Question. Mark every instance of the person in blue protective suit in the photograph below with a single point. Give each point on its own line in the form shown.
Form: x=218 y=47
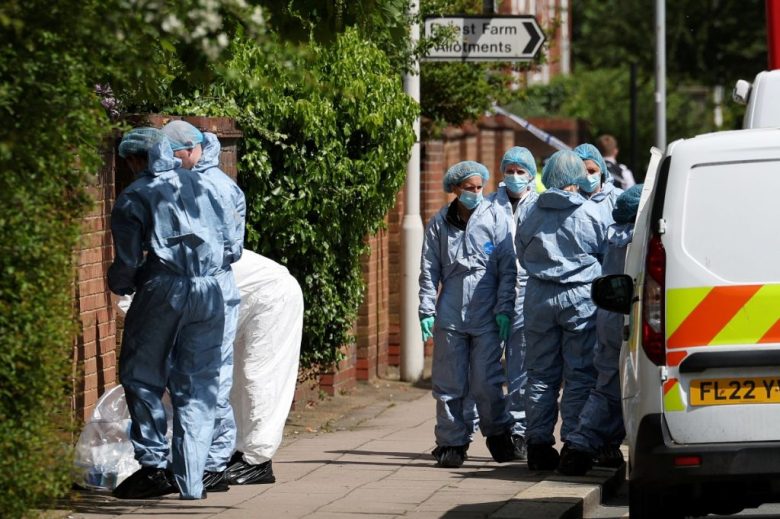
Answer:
x=560 y=245
x=467 y=294
x=169 y=247
x=200 y=153
x=598 y=186
x=516 y=195
x=600 y=431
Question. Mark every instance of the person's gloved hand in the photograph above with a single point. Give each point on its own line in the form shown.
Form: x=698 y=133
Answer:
x=503 y=326
x=426 y=323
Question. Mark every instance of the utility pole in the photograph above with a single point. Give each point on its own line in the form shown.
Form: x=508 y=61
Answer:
x=412 y=353
x=660 y=74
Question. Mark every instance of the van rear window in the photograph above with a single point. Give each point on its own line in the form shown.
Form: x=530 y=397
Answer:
x=731 y=220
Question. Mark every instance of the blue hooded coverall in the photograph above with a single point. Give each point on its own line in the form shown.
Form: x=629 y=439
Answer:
x=515 y=346
x=601 y=419
x=169 y=247
x=560 y=245
x=234 y=206
x=477 y=272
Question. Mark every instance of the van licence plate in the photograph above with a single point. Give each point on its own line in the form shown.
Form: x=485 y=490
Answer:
x=724 y=391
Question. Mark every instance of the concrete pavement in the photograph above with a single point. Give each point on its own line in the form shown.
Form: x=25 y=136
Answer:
x=381 y=468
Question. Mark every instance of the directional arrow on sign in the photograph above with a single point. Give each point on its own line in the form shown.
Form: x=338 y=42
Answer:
x=478 y=38
x=536 y=38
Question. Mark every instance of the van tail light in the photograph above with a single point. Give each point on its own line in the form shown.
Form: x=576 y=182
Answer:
x=653 y=302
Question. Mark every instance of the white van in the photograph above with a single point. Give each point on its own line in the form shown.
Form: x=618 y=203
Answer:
x=700 y=364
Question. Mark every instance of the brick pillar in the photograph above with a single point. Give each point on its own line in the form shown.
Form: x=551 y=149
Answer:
x=383 y=307
x=506 y=139
x=434 y=164
x=94 y=352
x=469 y=144
x=489 y=152
x=395 y=261
x=372 y=325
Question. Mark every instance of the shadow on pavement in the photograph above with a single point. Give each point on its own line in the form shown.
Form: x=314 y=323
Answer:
x=473 y=510
x=93 y=502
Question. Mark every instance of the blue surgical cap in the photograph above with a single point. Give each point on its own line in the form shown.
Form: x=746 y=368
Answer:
x=463 y=170
x=590 y=152
x=183 y=135
x=627 y=205
x=139 y=141
x=519 y=156
x=563 y=168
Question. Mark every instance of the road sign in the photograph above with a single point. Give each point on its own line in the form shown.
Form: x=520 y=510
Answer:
x=478 y=38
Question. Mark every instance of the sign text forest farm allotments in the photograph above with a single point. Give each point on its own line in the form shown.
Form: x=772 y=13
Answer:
x=496 y=38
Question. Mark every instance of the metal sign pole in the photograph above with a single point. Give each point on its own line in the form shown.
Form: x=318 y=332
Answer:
x=412 y=352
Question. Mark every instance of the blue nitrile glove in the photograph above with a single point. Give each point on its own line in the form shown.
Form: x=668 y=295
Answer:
x=503 y=326
x=426 y=323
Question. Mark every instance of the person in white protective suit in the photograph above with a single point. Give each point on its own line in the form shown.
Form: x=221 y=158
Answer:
x=265 y=368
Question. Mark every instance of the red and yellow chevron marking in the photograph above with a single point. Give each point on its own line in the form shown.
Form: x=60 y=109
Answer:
x=673 y=400
x=735 y=314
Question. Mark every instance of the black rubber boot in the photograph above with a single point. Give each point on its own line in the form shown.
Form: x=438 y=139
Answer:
x=609 y=456
x=450 y=456
x=215 y=481
x=521 y=451
x=501 y=447
x=146 y=482
x=239 y=472
x=574 y=462
x=542 y=457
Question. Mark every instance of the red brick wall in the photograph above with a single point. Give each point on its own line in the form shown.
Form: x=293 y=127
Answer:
x=94 y=353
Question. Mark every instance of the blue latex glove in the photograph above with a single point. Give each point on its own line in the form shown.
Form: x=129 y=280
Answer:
x=503 y=327
x=426 y=324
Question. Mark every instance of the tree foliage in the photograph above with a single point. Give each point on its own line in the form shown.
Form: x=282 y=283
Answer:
x=709 y=43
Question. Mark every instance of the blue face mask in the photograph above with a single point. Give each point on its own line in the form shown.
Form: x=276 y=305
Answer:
x=589 y=183
x=516 y=183
x=470 y=200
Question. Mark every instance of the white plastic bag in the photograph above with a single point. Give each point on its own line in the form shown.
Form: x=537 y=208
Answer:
x=104 y=453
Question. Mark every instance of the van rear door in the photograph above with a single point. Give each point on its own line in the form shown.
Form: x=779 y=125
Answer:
x=721 y=234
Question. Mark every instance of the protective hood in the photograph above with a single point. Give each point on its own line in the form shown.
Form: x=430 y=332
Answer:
x=590 y=152
x=211 y=149
x=559 y=199
x=161 y=157
x=620 y=234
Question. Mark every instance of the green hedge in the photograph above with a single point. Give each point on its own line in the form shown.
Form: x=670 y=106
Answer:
x=52 y=123
x=326 y=140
